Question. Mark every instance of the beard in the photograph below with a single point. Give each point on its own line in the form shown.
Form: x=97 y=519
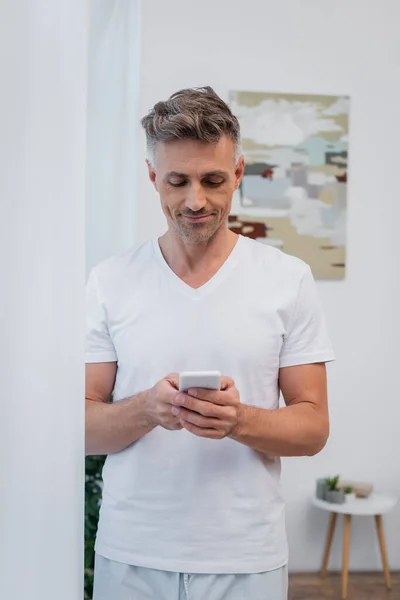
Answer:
x=197 y=233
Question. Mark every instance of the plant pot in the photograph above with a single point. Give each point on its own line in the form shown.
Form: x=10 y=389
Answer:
x=335 y=496
x=321 y=489
x=350 y=497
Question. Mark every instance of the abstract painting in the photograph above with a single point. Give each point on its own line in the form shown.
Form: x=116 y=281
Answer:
x=294 y=191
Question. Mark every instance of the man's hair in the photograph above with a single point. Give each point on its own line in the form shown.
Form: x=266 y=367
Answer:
x=190 y=114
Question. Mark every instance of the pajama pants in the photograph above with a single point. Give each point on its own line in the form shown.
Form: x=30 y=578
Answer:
x=118 y=581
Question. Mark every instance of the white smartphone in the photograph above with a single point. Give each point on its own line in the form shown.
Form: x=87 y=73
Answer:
x=207 y=380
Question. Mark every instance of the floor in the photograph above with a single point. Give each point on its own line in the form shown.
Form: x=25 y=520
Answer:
x=362 y=586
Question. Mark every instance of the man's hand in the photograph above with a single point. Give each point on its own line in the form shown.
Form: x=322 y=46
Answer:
x=160 y=399
x=209 y=413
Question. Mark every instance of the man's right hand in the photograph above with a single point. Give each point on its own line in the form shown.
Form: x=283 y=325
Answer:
x=160 y=399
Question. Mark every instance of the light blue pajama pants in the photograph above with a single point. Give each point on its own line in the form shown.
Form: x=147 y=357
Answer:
x=117 y=581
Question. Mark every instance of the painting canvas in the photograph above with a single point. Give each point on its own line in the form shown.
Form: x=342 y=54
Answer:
x=294 y=191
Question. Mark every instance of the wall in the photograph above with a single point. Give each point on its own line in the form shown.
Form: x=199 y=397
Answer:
x=315 y=46
x=42 y=198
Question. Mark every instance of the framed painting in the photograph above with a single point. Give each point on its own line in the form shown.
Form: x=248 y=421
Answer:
x=294 y=190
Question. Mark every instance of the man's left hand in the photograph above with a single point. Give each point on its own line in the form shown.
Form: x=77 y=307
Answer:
x=209 y=413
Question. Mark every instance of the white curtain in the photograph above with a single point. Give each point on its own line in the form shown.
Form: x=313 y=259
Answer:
x=43 y=49
x=69 y=128
x=113 y=128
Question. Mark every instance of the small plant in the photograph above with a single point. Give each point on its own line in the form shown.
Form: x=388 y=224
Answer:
x=332 y=483
x=334 y=493
x=348 y=490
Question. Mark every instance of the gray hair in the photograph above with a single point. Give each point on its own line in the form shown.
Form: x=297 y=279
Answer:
x=190 y=114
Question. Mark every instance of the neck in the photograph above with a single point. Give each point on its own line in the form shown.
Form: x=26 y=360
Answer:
x=185 y=258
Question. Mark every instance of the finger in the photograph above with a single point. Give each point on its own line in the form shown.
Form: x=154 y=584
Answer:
x=202 y=394
x=207 y=409
x=196 y=419
x=222 y=398
x=200 y=432
x=226 y=382
x=173 y=427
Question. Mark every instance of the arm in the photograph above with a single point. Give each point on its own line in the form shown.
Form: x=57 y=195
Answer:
x=301 y=428
x=111 y=427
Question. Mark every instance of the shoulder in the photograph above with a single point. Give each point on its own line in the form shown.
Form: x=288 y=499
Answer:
x=274 y=262
x=119 y=267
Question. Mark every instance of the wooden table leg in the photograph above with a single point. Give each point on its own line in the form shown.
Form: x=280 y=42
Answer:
x=346 y=554
x=382 y=544
x=328 y=544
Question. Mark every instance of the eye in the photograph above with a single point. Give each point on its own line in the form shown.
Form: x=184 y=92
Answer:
x=179 y=184
x=213 y=183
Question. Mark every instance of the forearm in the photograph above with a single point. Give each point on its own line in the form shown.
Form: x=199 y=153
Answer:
x=296 y=430
x=113 y=427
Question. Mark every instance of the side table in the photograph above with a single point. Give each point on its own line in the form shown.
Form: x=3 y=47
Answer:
x=375 y=505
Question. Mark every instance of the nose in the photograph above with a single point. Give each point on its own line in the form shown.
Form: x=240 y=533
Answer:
x=195 y=198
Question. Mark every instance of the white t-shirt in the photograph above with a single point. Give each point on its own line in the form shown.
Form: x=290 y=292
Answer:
x=174 y=501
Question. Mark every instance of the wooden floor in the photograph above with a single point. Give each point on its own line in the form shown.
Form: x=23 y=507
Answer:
x=362 y=586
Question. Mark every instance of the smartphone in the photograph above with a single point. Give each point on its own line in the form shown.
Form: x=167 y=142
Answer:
x=207 y=380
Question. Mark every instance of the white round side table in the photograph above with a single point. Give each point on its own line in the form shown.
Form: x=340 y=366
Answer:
x=376 y=505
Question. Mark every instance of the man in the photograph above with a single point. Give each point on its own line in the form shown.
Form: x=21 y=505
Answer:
x=192 y=507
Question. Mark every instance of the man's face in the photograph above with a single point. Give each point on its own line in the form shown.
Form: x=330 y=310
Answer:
x=196 y=181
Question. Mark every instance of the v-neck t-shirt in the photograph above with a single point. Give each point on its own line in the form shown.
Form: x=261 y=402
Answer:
x=174 y=501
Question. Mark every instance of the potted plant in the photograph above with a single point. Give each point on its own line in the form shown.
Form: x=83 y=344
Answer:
x=334 y=493
x=349 y=493
x=321 y=488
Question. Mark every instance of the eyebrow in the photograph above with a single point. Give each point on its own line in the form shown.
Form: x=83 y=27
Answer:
x=185 y=176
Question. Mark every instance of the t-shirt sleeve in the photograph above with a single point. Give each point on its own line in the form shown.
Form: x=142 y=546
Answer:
x=98 y=343
x=306 y=340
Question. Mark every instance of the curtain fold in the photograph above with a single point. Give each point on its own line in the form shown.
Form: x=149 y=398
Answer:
x=113 y=128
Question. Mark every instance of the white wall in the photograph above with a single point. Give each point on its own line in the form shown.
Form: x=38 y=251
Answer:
x=316 y=46
x=42 y=197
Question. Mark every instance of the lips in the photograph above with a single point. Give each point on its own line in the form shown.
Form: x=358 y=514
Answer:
x=194 y=218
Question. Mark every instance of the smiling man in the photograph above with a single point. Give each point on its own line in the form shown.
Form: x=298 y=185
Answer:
x=192 y=507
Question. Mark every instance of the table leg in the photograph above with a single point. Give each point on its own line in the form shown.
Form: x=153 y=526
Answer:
x=346 y=554
x=328 y=544
x=382 y=544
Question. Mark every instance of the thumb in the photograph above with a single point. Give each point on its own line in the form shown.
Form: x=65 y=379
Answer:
x=173 y=379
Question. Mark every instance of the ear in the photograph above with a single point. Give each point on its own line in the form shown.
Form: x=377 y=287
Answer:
x=152 y=174
x=239 y=171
